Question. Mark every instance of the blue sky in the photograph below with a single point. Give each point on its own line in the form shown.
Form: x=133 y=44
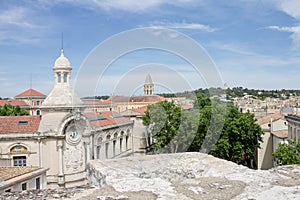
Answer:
x=254 y=44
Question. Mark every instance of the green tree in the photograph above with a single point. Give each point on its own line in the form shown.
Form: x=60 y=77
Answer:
x=240 y=135
x=9 y=110
x=163 y=118
x=212 y=127
x=288 y=154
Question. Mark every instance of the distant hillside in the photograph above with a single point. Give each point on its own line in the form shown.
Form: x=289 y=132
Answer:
x=236 y=92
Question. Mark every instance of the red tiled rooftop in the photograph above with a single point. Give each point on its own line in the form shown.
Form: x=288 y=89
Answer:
x=100 y=102
x=31 y=93
x=109 y=120
x=7 y=173
x=10 y=124
x=13 y=102
x=140 y=110
x=266 y=119
x=150 y=98
x=281 y=134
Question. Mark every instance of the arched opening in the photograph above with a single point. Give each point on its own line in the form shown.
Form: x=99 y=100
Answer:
x=98 y=149
x=121 y=141
x=58 y=77
x=19 y=160
x=107 y=146
x=114 y=143
x=65 y=77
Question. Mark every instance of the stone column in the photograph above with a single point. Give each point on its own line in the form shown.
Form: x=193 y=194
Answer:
x=86 y=144
x=61 y=180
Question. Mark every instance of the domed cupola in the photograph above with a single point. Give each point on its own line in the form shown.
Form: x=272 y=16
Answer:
x=62 y=95
x=62 y=62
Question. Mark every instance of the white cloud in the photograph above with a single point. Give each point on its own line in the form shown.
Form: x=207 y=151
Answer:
x=16 y=16
x=19 y=25
x=183 y=25
x=234 y=48
x=290 y=7
x=125 y=5
x=9 y=37
x=294 y=30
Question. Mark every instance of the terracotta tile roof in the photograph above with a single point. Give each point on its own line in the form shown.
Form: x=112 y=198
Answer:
x=150 y=98
x=104 y=119
x=13 y=102
x=140 y=110
x=281 y=134
x=7 y=173
x=129 y=113
x=19 y=124
x=100 y=102
x=134 y=112
x=30 y=93
x=266 y=119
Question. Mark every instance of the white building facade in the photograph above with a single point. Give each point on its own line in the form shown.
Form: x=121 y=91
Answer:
x=65 y=138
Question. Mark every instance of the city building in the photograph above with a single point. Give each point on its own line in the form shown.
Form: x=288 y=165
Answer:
x=33 y=99
x=67 y=134
x=275 y=132
x=293 y=128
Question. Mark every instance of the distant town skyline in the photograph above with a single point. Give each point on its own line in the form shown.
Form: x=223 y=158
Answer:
x=254 y=44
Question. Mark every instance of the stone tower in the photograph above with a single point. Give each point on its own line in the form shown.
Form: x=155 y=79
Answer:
x=148 y=86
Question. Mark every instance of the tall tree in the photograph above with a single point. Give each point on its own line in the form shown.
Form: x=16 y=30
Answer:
x=240 y=135
x=164 y=121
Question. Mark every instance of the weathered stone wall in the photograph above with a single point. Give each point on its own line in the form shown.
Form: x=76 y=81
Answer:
x=182 y=176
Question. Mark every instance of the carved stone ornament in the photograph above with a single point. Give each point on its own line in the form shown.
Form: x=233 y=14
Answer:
x=73 y=135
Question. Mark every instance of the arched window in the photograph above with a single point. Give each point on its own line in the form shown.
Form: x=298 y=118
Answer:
x=108 y=137
x=106 y=149
x=98 y=149
x=65 y=77
x=115 y=135
x=121 y=141
x=38 y=112
x=18 y=149
x=126 y=141
x=114 y=147
x=107 y=146
x=58 y=77
x=19 y=160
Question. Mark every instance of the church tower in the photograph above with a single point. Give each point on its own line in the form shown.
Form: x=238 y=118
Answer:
x=148 y=86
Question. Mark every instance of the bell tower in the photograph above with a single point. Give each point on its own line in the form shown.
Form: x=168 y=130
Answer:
x=62 y=94
x=148 y=86
x=62 y=71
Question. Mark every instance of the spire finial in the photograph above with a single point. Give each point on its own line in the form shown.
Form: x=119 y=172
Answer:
x=62 y=40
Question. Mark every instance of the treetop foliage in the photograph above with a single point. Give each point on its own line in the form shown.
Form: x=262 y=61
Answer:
x=237 y=92
x=211 y=126
x=288 y=154
x=9 y=110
